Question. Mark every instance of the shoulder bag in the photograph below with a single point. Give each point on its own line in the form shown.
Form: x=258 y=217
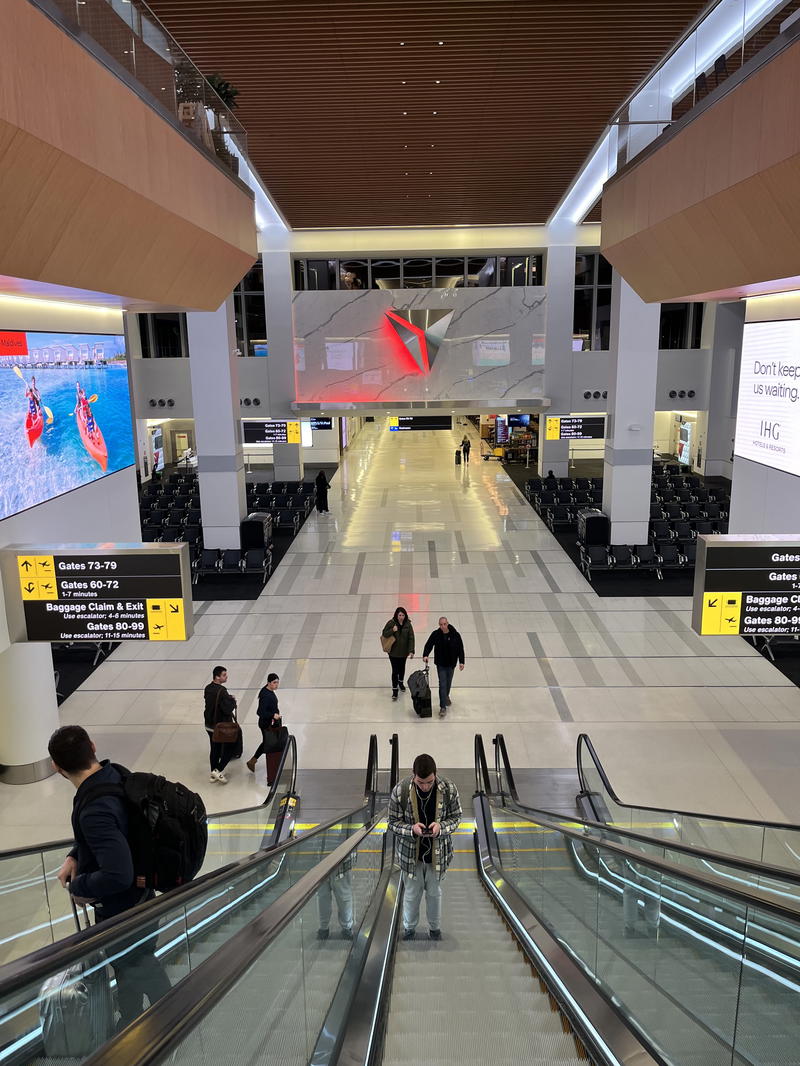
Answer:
x=387 y=643
x=225 y=732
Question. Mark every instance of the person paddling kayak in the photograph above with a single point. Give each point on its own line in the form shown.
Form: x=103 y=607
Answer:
x=85 y=407
x=34 y=420
x=88 y=429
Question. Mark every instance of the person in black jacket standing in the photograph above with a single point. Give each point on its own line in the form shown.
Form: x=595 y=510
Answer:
x=274 y=733
x=99 y=868
x=321 y=482
x=220 y=706
x=448 y=649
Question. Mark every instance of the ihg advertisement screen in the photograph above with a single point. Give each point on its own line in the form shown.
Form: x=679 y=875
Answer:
x=65 y=415
x=768 y=413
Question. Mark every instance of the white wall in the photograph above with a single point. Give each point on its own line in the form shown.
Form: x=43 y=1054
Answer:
x=763 y=500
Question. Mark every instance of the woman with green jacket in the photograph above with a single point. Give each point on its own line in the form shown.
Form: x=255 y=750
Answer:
x=402 y=646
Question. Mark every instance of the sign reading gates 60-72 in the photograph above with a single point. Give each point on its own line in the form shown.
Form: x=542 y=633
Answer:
x=95 y=592
x=747 y=585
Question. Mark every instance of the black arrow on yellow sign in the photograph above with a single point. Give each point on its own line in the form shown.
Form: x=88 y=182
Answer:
x=29 y=587
x=713 y=603
x=26 y=564
x=174 y=608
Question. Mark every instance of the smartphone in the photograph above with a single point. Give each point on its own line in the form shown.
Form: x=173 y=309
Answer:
x=427 y=832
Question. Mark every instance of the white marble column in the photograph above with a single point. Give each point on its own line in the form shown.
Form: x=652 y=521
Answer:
x=28 y=713
x=278 y=292
x=633 y=368
x=215 y=400
x=722 y=333
x=560 y=288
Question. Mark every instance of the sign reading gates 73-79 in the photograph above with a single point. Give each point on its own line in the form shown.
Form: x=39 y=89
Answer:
x=93 y=592
x=747 y=585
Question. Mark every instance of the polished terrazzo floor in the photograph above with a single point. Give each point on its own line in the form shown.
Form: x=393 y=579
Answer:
x=699 y=723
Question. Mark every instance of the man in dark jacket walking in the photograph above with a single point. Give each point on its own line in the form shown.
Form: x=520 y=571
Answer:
x=99 y=869
x=448 y=649
x=274 y=733
x=220 y=706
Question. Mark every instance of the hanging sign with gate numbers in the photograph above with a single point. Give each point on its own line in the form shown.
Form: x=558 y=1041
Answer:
x=747 y=585
x=97 y=592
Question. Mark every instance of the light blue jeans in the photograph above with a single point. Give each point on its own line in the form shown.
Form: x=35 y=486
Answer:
x=424 y=880
x=342 y=888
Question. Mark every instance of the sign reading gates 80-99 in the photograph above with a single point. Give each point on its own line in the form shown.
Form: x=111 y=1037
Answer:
x=748 y=585
x=108 y=592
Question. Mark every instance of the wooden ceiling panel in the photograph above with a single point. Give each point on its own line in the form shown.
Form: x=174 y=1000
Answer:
x=356 y=115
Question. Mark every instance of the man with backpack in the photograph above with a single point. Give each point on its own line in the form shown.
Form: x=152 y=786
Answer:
x=424 y=812
x=128 y=829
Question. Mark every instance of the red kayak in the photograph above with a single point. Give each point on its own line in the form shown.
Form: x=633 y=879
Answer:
x=92 y=442
x=34 y=424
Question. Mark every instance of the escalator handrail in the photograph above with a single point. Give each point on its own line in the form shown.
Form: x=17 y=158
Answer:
x=155 y=1033
x=779 y=873
x=585 y=740
x=394 y=768
x=750 y=897
x=291 y=745
x=59 y=956
x=371 y=782
x=482 y=783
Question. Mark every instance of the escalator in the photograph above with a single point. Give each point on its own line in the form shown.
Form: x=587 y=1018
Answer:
x=156 y=945
x=600 y=951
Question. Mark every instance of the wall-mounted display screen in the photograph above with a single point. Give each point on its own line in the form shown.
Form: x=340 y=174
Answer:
x=413 y=422
x=321 y=423
x=519 y=421
x=575 y=428
x=265 y=431
x=65 y=414
x=685 y=443
x=768 y=412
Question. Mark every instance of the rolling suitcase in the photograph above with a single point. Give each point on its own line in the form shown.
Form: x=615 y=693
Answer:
x=76 y=1008
x=273 y=762
x=420 y=692
x=458 y=457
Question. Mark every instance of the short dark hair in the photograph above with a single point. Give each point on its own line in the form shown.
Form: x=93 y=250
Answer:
x=271 y=678
x=219 y=670
x=424 y=766
x=70 y=748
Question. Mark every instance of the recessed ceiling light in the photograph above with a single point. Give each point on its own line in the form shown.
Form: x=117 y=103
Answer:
x=439 y=83
x=441 y=42
x=402 y=43
x=430 y=172
x=406 y=173
x=402 y=83
x=436 y=112
x=405 y=112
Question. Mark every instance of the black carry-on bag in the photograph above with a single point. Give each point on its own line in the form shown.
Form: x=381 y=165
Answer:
x=420 y=693
x=76 y=1007
x=458 y=457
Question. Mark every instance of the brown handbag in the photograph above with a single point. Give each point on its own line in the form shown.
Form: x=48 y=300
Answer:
x=225 y=732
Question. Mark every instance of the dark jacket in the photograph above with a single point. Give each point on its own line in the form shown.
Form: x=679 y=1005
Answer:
x=267 y=706
x=220 y=705
x=105 y=864
x=403 y=639
x=448 y=648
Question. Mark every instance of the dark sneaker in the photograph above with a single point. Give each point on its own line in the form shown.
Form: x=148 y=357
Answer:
x=323 y=934
x=347 y=934
x=449 y=701
x=401 y=686
x=409 y=934
x=394 y=693
x=251 y=765
x=442 y=712
x=435 y=934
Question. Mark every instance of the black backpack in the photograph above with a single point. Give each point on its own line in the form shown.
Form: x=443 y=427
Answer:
x=167 y=828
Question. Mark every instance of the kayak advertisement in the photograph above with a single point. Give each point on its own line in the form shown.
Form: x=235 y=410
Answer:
x=65 y=415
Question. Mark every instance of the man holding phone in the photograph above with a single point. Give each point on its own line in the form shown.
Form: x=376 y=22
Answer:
x=424 y=812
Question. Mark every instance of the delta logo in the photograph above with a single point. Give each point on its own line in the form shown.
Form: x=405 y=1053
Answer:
x=419 y=333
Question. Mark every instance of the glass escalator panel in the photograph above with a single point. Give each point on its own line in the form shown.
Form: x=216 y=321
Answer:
x=139 y=967
x=705 y=975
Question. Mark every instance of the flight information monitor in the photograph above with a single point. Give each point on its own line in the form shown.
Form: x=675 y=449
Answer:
x=576 y=427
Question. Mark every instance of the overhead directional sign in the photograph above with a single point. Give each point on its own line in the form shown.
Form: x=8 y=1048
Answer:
x=98 y=592
x=747 y=585
x=270 y=432
x=575 y=427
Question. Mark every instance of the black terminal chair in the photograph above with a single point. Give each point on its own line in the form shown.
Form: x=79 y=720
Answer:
x=258 y=561
x=646 y=558
x=684 y=496
x=559 y=517
x=594 y=559
x=193 y=535
x=673 y=512
x=193 y=517
x=157 y=517
x=544 y=501
x=286 y=522
x=566 y=484
x=231 y=561
x=564 y=497
x=692 y=511
x=583 y=498
x=533 y=486
x=597 y=496
x=673 y=470
x=583 y=483
x=682 y=531
x=712 y=511
x=622 y=557
x=669 y=558
x=597 y=482
x=688 y=551
x=722 y=525
x=172 y=533
x=702 y=528
x=176 y=516
x=150 y=534
x=306 y=488
x=701 y=495
x=660 y=532
x=205 y=563
x=656 y=513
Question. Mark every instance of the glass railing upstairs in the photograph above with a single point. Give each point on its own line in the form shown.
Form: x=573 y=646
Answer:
x=131 y=962
x=265 y=995
x=36 y=910
x=774 y=843
x=704 y=971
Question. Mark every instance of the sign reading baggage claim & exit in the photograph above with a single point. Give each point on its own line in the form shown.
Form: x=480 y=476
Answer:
x=747 y=585
x=98 y=592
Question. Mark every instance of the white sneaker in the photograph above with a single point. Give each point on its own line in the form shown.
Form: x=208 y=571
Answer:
x=214 y=776
x=222 y=778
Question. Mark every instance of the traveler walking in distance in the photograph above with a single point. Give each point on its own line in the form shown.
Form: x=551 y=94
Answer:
x=399 y=634
x=321 y=482
x=448 y=649
x=424 y=812
x=99 y=869
x=220 y=706
x=466 y=445
x=274 y=733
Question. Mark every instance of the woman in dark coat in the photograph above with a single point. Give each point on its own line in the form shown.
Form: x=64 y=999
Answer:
x=321 y=482
x=402 y=648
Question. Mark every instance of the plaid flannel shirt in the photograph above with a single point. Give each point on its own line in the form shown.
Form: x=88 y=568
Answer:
x=448 y=815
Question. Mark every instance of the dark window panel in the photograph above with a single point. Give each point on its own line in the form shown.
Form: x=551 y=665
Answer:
x=584 y=269
x=144 y=334
x=697 y=325
x=537 y=270
x=482 y=271
x=602 y=319
x=299 y=274
x=514 y=270
x=354 y=274
x=255 y=321
x=167 y=335
x=450 y=272
x=582 y=317
x=673 y=326
x=417 y=273
x=321 y=274
x=253 y=281
x=385 y=273
x=603 y=271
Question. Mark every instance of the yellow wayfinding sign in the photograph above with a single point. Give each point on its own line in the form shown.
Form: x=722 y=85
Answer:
x=721 y=613
x=552 y=428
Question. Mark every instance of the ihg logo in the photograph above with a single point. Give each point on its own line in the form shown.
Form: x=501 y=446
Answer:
x=772 y=430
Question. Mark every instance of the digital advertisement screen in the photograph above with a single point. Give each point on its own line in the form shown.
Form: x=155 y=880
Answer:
x=519 y=421
x=501 y=430
x=65 y=414
x=321 y=423
x=768 y=412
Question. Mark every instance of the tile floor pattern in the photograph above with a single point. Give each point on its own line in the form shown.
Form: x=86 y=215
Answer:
x=678 y=719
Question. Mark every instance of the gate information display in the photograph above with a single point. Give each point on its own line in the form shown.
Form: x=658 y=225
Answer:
x=747 y=585
x=577 y=428
x=98 y=593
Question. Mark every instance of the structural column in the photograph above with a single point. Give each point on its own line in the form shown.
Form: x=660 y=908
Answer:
x=215 y=400
x=287 y=460
x=633 y=368
x=28 y=713
x=724 y=338
x=560 y=288
x=278 y=295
